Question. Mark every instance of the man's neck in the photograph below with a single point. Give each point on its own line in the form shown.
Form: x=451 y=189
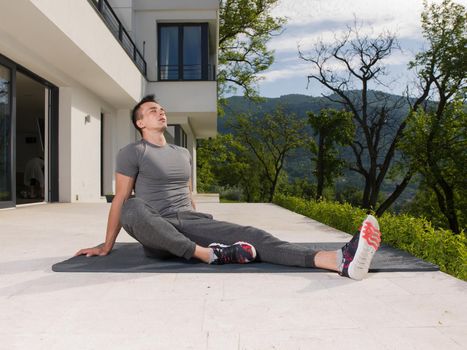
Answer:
x=156 y=138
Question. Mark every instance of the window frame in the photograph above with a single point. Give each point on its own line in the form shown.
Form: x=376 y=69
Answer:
x=204 y=50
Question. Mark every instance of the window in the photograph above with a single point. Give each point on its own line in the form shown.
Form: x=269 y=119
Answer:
x=183 y=51
x=176 y=135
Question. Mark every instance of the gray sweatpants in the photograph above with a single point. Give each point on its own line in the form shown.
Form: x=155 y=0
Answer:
x=179 y=233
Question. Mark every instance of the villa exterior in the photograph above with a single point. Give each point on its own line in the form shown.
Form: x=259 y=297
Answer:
x=70 y=73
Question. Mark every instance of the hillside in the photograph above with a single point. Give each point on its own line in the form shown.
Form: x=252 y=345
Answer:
x=299 y=165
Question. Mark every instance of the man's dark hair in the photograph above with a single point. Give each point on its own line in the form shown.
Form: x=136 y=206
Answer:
x=135 y=114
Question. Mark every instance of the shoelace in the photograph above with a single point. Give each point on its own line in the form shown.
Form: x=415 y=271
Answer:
x=225 y=254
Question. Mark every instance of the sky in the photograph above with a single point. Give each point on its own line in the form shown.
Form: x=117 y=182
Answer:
x=309 y=21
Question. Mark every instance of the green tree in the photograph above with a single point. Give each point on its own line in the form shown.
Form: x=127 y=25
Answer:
x=270 y=139
x=425 y=204
x=435 y=141
x=436 y=146
x=360 y=62
x=219 y=162
x=223 y=162
x=332 y=128
x=245 y=27
x=210 y=155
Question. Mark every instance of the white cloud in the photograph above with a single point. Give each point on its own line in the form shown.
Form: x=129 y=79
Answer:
x=297 y=70
x=310 y=21
x=289 y=67
x=313 y=20
x=303 y=12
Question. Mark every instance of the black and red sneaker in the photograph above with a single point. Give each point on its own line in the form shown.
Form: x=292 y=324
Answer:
x=237 y=253
x=358 y=253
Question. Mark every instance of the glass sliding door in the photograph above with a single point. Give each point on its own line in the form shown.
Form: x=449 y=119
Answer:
x=6 y=116
x=183 y=51
x=192 y=53
x=168 y=53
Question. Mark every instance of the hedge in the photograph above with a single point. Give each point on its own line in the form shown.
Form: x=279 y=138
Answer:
x=414 y=235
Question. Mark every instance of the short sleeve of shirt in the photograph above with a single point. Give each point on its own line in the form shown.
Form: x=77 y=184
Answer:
x=128 y=161
x=189 y=157
x=190 y=160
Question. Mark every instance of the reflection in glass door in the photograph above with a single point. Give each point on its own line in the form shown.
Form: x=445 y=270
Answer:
x=6 y=195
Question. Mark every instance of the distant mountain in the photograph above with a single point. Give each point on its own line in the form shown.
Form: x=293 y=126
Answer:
x=295 y=103
x=299 y=165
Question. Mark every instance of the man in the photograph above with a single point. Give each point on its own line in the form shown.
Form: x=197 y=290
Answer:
x=34 y=178
x=163 y=219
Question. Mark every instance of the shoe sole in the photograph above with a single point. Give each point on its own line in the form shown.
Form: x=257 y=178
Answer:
x=358 y=268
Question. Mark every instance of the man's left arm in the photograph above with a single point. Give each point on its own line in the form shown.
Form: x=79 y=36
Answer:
x=190 y=187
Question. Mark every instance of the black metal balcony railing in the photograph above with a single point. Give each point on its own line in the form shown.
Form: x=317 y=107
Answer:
x=116 y=27
x=190 y=72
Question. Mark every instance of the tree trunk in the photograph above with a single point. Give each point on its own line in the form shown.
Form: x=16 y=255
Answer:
x=366 y=194
x=320 y=168
x=394 y=195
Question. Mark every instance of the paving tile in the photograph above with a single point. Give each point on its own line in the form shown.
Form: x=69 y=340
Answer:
x=273 y=314
x=31 y=316
x=223 y=340
x=118 y=341
x=191 y=285
x=323 y=339
x=430 y=310
x=433 y=283
x=347 y=288
x=426 y=338
x=280 y=286
x=458 y=334
x=40 y=309
x=24 y=341
x=132 y=316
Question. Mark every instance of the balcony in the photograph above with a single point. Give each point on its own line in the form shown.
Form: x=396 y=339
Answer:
x=176 y=72
x=120 y=33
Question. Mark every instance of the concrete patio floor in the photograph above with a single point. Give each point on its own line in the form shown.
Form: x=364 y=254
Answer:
x=40 y=309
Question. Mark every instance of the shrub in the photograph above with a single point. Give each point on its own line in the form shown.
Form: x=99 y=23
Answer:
x=414 y=235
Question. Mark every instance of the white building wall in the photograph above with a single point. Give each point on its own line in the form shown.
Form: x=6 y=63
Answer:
x=110 y=148
x=80 y=145
x=124 y=11
x=64 y=141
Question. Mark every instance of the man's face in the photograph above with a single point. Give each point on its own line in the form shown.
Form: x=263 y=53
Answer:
x=154 y=118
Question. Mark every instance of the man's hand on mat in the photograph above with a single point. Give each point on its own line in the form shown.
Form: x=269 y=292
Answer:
x=96 y=251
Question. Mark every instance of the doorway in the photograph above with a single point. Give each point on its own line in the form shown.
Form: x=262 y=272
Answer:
x=28 y=136
x=31 y=143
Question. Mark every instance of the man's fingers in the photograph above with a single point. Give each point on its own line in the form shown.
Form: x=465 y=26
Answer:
x=80 y=252
x=88 y=252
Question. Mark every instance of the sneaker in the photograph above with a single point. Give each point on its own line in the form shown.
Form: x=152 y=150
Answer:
x=358 y=253
x=237 y=253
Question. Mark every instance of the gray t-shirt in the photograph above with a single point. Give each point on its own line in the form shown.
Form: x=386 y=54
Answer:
x=162 y=174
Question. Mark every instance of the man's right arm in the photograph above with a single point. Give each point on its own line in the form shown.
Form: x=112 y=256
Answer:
x=123 y=188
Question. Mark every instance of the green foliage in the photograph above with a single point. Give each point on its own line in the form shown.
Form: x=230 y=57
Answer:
x=269 y=141
x=343 y=217
x=224 y=166
x=434 y=144
x=444 y=62
x=215 y=157
x=333 y=128
x=425 y=204
x=414 y=235
x=245 y=27
x=347 y=67
x=299 y=188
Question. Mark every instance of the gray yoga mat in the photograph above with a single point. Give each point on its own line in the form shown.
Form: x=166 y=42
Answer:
x=129 y=257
